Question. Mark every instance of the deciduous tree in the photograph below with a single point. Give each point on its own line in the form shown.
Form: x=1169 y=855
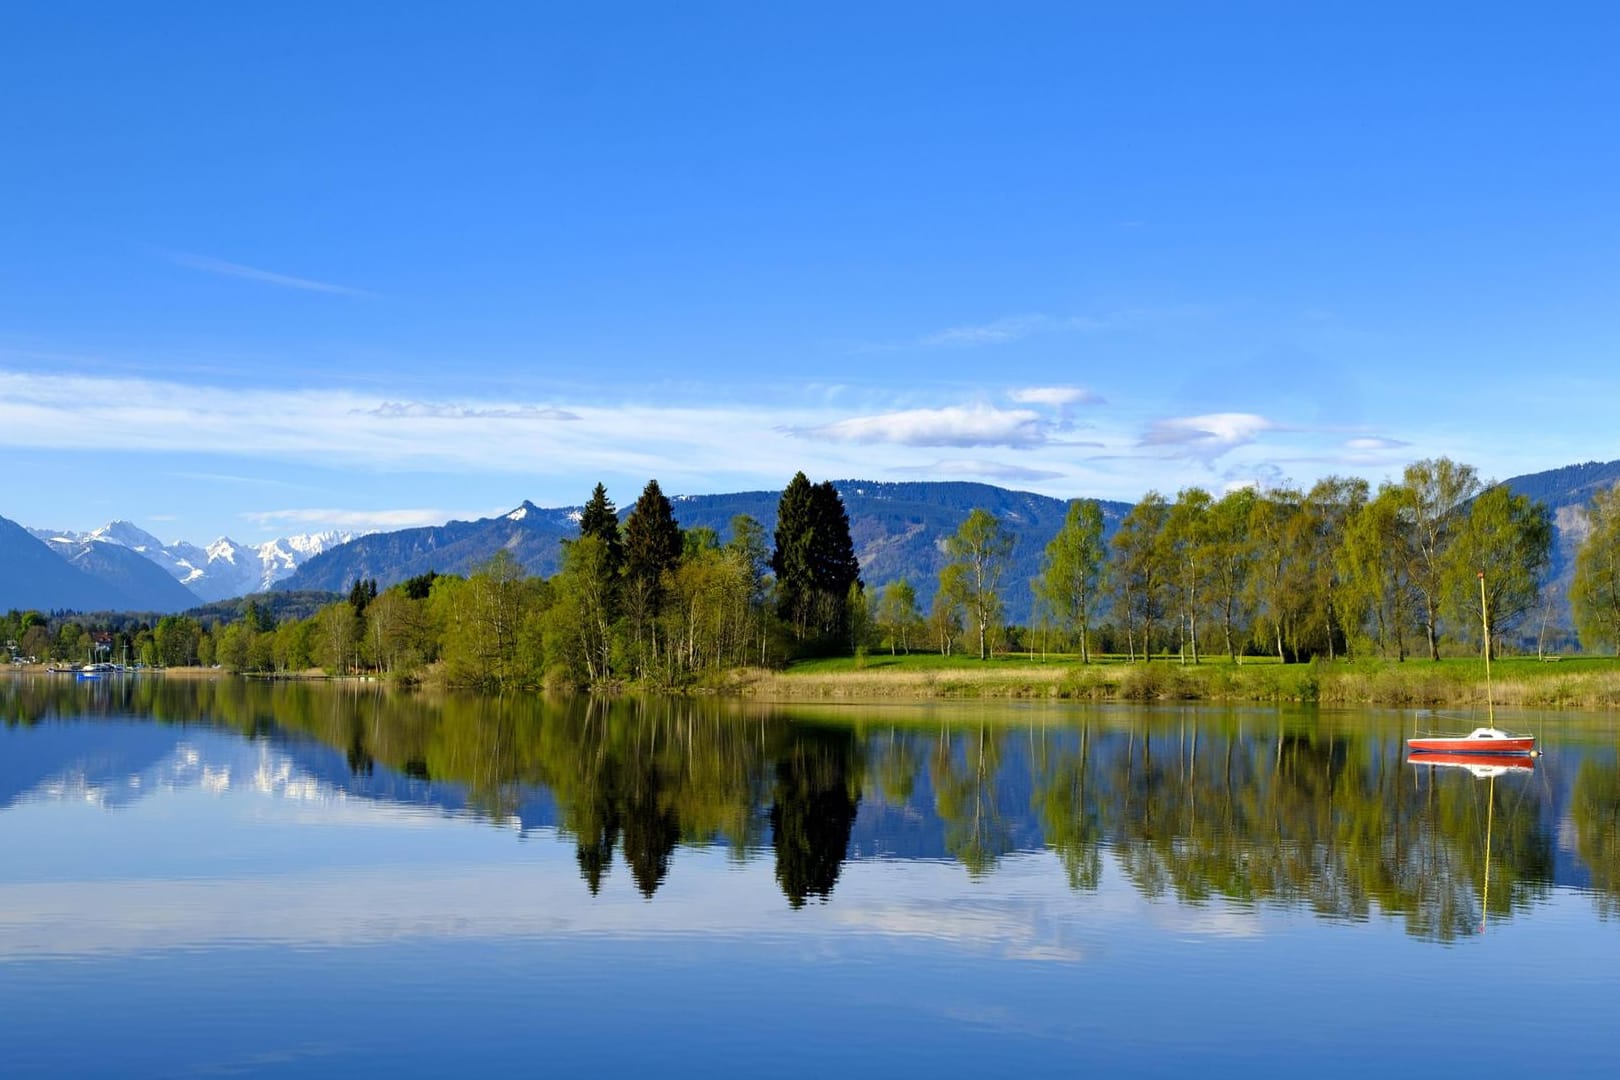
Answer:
x=1071 y=575
x=1435 y=498
x=1508 y=539
x=981 y=546
x=1595 y=592
x=897 y=616
x=1138 y=572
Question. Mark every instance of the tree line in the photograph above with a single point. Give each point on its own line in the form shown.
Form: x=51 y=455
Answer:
x=637 y=599
x=1337 y=570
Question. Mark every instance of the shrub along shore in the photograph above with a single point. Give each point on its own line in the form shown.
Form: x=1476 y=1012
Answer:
x=1573 y=683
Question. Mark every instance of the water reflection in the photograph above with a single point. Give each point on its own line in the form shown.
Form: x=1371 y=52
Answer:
x=1318 y=814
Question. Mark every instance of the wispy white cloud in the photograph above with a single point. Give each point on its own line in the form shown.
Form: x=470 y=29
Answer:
x=1013 y=328
x=997 y=332
x=981 y=470
x=240 y=438
x=1208 y=436
x=362 y=520
x=978 y=425
x=211 y=265
x=347 y=428
x=1057 y=396
x=1373 y=444
x=417 y=410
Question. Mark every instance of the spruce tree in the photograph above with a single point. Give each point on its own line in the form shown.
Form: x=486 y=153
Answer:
x=832 y=549
x=600 y=518
x=791 y=561
x=814 y=561
x=652 y=547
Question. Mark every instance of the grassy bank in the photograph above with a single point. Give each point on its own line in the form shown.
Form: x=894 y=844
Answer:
x=1585 y=683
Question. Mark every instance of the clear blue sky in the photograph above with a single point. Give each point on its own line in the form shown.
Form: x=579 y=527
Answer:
x=279 y=268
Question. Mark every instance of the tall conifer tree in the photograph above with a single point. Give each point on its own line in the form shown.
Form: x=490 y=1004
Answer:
x=600 y=518
x=814 y=562
x=652 y=548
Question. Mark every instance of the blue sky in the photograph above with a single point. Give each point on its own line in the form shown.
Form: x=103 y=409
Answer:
x=273 y=270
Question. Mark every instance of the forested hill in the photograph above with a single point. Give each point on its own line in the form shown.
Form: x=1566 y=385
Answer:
x=1573 y=485
x=899 y=530
x=529 y=533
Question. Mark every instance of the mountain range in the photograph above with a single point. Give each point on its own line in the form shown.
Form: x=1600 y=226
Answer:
x=898 y=529
x=121 y=567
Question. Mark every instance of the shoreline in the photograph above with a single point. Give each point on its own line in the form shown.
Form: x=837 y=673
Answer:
x=1591 y=683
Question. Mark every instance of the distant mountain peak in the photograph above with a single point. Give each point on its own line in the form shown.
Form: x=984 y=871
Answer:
x=125 y=534
x=225 y=568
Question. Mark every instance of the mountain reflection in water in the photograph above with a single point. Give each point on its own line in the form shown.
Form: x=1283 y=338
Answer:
x=1318 y=813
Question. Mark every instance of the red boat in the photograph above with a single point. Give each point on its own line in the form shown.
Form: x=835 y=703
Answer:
x=1483 y=740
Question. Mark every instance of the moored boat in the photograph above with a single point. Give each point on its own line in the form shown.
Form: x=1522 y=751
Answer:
x=1482 y=740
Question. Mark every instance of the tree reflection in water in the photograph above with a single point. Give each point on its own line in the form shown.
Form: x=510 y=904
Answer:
x=1244 y=807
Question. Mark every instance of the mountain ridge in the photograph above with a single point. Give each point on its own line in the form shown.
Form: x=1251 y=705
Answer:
x=220 y=570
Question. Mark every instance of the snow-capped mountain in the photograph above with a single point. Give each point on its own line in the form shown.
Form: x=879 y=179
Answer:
x=223 y=569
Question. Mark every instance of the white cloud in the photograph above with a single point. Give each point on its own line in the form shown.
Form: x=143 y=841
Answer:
x=983 y=470
x=1207 y=436
x=1057 y=396
x=700 y=445
x=275 y=451
x=1367 y=444
x=252 y=273
x=362 y=520
x=978 y=425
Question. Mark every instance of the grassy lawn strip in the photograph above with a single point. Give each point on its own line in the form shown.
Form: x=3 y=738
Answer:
x=1581 y=682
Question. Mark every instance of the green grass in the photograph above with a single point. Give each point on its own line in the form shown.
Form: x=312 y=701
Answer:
x=1583 y=682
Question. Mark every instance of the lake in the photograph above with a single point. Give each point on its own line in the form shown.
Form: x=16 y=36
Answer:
x=222 y=877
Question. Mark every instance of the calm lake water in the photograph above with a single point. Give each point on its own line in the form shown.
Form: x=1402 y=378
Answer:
x=230 y=878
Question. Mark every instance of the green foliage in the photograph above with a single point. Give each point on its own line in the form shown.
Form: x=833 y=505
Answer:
x=1072 y=572
x=177 y=638
x=420 y=586
x=1434 y=500
x=361 y=594
x=1595 y=592
x=1328 y=573
x=652 y=551
x=896 y=616
x=980 y=549
x=1138 y=572
x=1506 y=541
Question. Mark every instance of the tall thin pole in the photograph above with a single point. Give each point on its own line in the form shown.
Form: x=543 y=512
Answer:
x=1485 y=620
x=1490 y=816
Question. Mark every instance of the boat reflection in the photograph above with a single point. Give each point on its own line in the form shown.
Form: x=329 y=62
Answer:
x=1482 y=766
